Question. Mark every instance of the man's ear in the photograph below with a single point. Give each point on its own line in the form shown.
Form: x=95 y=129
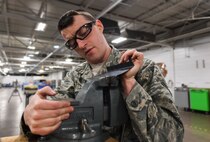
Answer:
x=100 y=25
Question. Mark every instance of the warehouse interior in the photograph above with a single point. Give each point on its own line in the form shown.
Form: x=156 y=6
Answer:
x=175 y=34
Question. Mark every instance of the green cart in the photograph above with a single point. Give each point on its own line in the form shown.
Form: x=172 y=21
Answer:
x=199 y=99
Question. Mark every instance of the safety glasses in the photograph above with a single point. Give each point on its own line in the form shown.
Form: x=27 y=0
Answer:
x=81 y=34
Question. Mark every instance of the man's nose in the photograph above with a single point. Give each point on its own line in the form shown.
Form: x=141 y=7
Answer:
x=81 y=43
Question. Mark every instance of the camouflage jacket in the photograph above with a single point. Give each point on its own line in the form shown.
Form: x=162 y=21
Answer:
x=153 y=115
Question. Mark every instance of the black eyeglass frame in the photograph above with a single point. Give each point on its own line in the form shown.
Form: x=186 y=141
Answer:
x=74 y=45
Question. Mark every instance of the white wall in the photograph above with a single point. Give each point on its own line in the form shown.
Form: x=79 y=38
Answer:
x=55 y=76
x=40 y=77
x=21 y=79
x=185 y=62
x=189 y=63
x=28 y=79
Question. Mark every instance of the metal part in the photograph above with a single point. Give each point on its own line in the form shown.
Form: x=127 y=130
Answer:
x=95 y=109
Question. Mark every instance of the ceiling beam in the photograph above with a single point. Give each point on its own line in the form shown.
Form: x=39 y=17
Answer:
x=151 y=12
x=22 y=50
x=88 y=4
x=19 y=41
x=186 y=18
x=31 y=18
x=2 y=5
x=108 y=8
x=40 y=38
x=3 y=53
x=109 y=15
x=6 y=21
x=26 y=7
x=178 y=37
x=43 y=60
x=41 y=9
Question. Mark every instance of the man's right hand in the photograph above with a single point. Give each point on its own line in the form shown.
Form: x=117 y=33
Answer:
x=45 y=116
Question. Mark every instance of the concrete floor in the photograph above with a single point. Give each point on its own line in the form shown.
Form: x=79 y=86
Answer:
x=10 y=112
x=197 y=124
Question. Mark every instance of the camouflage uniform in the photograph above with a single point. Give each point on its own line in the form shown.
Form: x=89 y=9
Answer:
x=153 y=115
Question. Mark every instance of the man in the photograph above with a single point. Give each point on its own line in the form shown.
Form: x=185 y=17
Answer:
x=152 y=112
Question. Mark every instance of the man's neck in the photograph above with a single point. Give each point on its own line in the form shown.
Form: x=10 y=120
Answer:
x=107 y=53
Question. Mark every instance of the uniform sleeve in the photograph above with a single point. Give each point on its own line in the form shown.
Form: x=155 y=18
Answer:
x=67 y=86
x=74 y=81
x=153 y=115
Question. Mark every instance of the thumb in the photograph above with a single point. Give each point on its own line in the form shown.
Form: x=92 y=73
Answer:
x=46 y=91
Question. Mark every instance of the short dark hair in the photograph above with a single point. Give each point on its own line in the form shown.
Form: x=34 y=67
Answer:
x=68 y=18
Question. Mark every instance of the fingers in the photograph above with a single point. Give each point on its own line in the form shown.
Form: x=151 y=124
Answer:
x=137 y=59
x=48 y=122
x=126 y=55
x=133 y=54
x=46 y=91
x=137 y=55
x=43 y=114
x=50 y=105
x=44 y=121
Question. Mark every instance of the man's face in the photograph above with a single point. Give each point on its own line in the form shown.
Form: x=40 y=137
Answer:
x=94 y=46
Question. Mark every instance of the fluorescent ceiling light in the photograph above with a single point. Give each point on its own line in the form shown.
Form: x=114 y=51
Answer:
x=26 y=58
x=58 y=67
x=31 y=55
x=68 y=60
x=6 y=70
x=42 y=14
x=22 y=70
x=2 y=72
x=37 y=52
x=30 y=42
x=56 y=46
x=46 y=69
x=67 y=63
x=40 y=26
x=41 y=71
x=31 y=47
x=1 y=64
x=118 y=40
x=22 y=66
x=24 y=63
